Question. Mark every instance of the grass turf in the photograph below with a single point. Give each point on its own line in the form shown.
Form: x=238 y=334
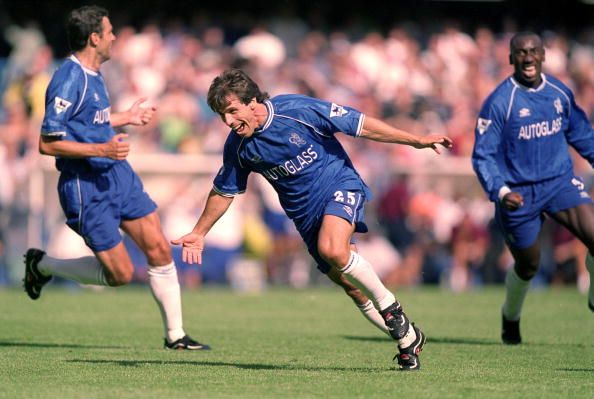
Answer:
x=289 y=343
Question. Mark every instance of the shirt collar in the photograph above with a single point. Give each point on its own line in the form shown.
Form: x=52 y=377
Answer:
x=269 y=117
x=539 y=88
x=87 y=70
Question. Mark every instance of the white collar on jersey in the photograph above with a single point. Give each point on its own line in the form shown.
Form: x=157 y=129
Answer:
x=269 y=117
x=87 y=70
x=521 y=86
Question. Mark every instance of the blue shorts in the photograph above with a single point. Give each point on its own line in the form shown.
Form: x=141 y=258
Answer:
x=522 y=226
x=95 y=203
x=346 y=204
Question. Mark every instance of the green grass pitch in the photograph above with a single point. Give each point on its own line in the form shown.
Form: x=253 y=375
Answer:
x=289 y=344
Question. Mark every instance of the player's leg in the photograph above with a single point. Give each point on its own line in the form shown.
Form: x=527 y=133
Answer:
x=363 y=303
x=580 y=221
x=89 y=213
x=109 y=268
x=517 y=283
x=334 y=248
x=521 y=229
x=146 y=232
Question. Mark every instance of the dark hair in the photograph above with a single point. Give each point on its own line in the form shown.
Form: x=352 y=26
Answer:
x=81 y=23
x=233 y=81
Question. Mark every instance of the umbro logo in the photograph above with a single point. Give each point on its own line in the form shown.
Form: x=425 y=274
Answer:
x=256 y=159
x=524 y=112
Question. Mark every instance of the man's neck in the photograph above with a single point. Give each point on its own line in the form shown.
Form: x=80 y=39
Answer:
x=261 y=113
x=89 y=59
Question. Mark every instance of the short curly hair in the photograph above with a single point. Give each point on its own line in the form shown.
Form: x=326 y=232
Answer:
x=233 y=81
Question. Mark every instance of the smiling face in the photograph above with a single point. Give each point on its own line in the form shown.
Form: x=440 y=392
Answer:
x=240 y=117
x=527 y=55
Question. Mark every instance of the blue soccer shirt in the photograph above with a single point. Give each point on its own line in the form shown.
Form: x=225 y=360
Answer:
x=77 y=108
x=522 y=135
x=297 y=152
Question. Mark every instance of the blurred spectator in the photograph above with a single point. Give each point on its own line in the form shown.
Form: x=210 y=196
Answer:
x=468 y=245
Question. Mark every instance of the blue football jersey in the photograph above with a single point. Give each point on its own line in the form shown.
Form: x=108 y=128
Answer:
x=523 y=134
x=77 y=108
x=297 y=152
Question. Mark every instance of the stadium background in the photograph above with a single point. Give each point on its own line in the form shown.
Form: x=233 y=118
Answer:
x=423 y=65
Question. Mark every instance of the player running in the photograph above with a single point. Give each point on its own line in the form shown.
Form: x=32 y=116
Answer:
x=521 y=157
x=99 y=192
x=289 y=139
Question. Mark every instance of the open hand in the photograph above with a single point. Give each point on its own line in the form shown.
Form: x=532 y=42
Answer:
x=192 y=247
x=140 y=116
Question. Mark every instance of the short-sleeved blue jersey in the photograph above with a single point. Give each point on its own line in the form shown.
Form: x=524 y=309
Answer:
x=77 y=108
x=296 y=151
x=522 y=135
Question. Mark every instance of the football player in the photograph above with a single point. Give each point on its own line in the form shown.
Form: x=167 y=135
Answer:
x=99 y=192
x=521 y=157
x=290 y=140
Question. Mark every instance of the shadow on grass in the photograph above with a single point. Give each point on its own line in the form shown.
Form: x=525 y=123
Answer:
x=247 y=366
x=578 y=370
x=461 y=341
x=437 y=340
x=53 y=345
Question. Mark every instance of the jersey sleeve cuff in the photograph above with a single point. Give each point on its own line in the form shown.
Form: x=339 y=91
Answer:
x=53 y=134
x=224 y=194
x=503 y=191
x=360 y=125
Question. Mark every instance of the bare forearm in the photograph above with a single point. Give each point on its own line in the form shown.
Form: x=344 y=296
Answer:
x=376 y=130
x=120 y=118
x=215 y=207
x=71 y=149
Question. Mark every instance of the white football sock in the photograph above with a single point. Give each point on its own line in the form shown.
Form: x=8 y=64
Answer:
x=360 y=273
x=515 y=293
x=590 y=267
x=374 y=317
x=166 y=291
x=409 y=338
x=85 y=270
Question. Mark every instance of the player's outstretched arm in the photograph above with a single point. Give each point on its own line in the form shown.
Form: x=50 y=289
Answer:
x=135 y=115
x=116 y=148
x=377 y=130
x=193 y=242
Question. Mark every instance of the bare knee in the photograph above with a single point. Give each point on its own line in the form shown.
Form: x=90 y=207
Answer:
x=119 y=277
x=336 y=255
x=158 y=253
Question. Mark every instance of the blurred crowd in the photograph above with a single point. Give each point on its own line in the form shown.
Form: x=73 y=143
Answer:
x=430 y=221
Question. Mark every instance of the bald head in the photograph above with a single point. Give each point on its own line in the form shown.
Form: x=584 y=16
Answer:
x=520 y=37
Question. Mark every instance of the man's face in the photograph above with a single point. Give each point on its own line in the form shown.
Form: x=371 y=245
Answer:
x=240 y=117
x=105 y=39
x=527 y=55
